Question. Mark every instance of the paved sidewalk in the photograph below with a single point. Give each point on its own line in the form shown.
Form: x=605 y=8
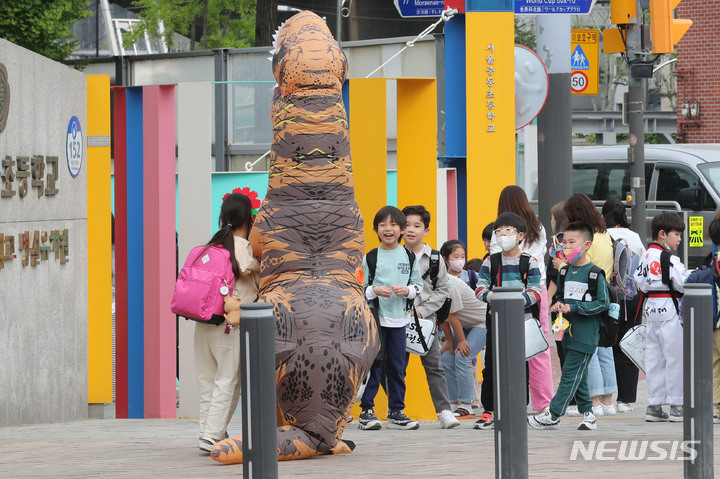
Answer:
x=128 y=448
x=167 y=448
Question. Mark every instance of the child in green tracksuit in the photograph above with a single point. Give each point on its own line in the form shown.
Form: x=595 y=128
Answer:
x=580 y=340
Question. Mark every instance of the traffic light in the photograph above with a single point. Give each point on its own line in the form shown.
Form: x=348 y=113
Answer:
x=621 y=11
x=665 y=30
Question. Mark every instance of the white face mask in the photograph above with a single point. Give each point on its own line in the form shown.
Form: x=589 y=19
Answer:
x=507 y=243
x=457 y=264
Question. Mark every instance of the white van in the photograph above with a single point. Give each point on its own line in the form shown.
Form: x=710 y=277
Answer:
x=688 y=174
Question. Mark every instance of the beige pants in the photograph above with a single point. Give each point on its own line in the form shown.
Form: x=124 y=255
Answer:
x=716 y=366
x=217 y=362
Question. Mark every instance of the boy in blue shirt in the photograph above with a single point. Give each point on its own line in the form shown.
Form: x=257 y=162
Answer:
x=580 y=340
x=396 y=280
x=514 y=268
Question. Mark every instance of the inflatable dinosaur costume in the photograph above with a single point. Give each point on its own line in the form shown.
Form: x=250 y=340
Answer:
x=309 y=234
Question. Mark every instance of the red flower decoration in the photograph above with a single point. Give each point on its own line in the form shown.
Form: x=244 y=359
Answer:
x=254 y=200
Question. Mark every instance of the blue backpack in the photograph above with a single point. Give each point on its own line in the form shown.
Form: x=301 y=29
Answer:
x=710 y=276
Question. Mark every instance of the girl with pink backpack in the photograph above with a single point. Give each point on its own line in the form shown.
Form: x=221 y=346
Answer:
x=217 y=347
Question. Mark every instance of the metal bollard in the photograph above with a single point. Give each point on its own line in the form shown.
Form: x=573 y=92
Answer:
x=508 y=317
x=697 y=380
x=257 y=369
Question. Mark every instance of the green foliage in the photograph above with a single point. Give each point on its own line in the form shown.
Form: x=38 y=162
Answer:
x=225 y=23
x=525 y=34
x=41 y=26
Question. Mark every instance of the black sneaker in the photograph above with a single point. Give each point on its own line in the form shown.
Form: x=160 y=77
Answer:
x=368 y=421
x=486 y=421
x=398 y=420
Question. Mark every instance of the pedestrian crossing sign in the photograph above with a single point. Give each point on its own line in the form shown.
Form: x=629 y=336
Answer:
x=584 y=56
x=578 y=59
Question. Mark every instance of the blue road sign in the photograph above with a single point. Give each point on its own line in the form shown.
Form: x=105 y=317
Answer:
x=549 y=7
x=420 y=8
x=578 y=60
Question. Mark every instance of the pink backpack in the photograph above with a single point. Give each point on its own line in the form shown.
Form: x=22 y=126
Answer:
x=205 y=279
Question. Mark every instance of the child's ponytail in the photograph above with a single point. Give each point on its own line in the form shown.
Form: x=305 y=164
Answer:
x=234 y=213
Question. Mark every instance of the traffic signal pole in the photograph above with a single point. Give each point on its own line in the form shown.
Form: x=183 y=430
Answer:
x=631 y=39
x=637 y=82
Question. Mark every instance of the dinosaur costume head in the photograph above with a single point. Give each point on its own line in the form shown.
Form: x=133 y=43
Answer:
x=309 y=236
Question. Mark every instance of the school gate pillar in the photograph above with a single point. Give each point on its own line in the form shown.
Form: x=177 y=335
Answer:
x=146 y=261
x=194 y=214
x=490 y=70
x=417 y=181
x=99 y=244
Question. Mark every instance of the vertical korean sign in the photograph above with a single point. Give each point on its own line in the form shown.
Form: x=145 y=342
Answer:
x=490 y=80
x=584 y=57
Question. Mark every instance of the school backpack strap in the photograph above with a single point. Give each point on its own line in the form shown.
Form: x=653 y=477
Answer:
x=665 y=266
x=473 y=277
x=371 y=260
x=609 y=326
x=524 y=267
x=560 y=291
x=433 y=269
x=410 y=304
x=495 y=270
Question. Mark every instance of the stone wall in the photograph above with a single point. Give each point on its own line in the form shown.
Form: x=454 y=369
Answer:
x=43 y=271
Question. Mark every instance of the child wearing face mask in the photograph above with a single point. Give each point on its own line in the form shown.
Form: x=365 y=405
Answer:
x=580 y=340
x=509 y=231
x=464 y=332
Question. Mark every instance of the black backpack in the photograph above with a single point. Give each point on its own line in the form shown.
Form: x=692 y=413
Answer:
x=433 y=271
x=608 y=325
x=496 y=277
x=665 y=270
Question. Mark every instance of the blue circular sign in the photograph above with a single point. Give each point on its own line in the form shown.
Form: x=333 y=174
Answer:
x=74 y=146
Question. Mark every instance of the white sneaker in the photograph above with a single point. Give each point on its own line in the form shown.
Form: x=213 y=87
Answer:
x=447 y=419
x=572 y=411
x=610 y=410
x=588 y=422
x=206 y=444
x=623 y=407
x=598 y=411
x=543 y=420
x=716 y=414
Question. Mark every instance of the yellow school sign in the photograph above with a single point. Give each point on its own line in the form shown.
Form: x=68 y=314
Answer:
x=584 y=54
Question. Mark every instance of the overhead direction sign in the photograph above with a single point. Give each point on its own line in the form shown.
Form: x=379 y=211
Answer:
x=420 y=8
x=584 y=59
x=553 y=7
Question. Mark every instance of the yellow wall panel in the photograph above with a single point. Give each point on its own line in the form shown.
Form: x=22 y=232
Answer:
x=99 y=242
x=417 y=146
x=368 y=143
x=490 y=75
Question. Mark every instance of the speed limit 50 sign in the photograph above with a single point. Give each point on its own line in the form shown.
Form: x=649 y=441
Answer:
x=578 y=82
x=584 y=56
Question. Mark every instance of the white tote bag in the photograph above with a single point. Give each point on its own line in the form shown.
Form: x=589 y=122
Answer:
x=633 y=345
x=414 y=343
x=535 y=340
